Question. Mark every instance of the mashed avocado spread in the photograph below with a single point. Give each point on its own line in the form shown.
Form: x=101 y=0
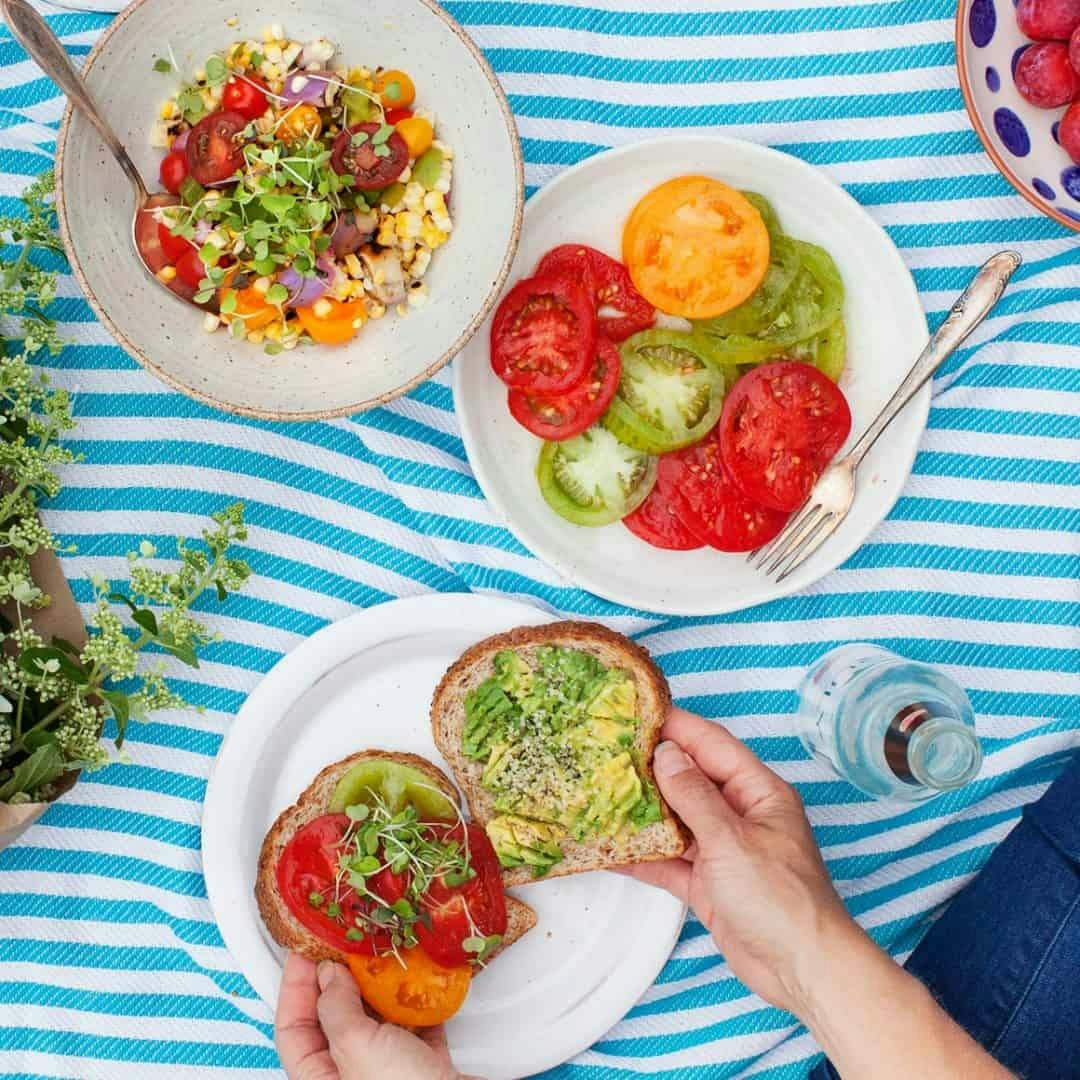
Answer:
x=556 y=738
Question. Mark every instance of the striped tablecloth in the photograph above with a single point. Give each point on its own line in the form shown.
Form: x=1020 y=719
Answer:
x=110 y=964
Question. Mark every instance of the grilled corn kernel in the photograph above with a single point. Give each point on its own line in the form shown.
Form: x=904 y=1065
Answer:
x=290 y=55
x=402 y=310
x=167 y=274
x=255 y=337
x=387 y=234
x=261 y=285
x=421 y=261
x=273 y=332
x=414 y=196
x=447 y=151
x=408 y=224
x=232 y=20
x=217 y=93
x=211 y=197
x=375 y=309
x=200 y=74
x=210 y=322
x=358 y=322
x=274 y=32
x=169 y=109
x=322 y=308
x=432 y=236
x=159 y=136
x=354 y=265
x=417 y=295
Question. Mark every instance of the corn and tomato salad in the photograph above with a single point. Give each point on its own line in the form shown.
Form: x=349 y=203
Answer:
x=308 y=196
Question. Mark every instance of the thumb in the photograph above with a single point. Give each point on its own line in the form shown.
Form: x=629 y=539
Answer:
x=689 y=792
x=344 y=1020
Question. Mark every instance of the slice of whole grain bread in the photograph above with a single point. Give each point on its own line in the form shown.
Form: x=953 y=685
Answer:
x=663 y=839
x=284 y=928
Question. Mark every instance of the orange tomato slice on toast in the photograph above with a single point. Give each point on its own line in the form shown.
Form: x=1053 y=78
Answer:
x=421 y=993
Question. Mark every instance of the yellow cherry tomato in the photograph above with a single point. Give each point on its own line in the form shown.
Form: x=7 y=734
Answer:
x=252 y=308
x=331 y=322
x=303 y=121
x=417 y=133
x=395 y=88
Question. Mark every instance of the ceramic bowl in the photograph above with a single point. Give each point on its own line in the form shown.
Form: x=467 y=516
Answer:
x=389 y=356
x=1020 y=139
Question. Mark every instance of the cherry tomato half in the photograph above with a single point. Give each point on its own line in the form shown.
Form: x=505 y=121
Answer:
x=414 y=992
x=611 y=285
x=395 y=88
x=543 y=336
x=781 y=425
x=175 y=247
x=336 y=326
x=190 y=268
x=174 y=169
x=709 y=504
x=456 y=909
x=563 y=416
x=213 y=149
x=395 y=116
x=246 y=96
x=372 y=170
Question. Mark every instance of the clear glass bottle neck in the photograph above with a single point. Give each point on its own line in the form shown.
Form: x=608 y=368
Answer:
x=943 y=754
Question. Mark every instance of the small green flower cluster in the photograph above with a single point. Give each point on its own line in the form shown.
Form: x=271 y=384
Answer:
x=55 y=696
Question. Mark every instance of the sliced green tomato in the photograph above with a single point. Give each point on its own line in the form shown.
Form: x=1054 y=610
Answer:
x=428 y=168
x=358 y=107
x=812 y=303
x=765 y=209
x=399 y=785
x=594 y=479
x=755 y=315
x=669 y=395
x=827 y=351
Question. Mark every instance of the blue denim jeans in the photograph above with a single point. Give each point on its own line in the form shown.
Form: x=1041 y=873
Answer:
x=1004 y=959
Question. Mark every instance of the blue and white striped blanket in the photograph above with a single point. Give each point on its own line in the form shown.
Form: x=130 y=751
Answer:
x=110 y=964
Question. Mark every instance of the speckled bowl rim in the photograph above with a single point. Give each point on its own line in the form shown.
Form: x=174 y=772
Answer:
x=962 y=10
x=316 y=414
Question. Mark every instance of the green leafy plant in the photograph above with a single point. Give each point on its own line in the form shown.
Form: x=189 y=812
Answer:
x=56 y=696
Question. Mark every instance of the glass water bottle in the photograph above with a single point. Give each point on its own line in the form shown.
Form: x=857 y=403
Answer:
x=892 y=727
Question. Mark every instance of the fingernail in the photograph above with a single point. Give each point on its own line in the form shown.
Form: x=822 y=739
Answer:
x=669 y=759
x=326 y=973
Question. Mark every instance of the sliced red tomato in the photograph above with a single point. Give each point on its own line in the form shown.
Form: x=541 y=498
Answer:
x=780 y=427
x=456 y=909
x=306 y=879
x=543 y=336
x=173 y=171
x=709 y=504
x=411 y=989
x=609 y=282
x=356 y=153
x=247 y=96
x=657 y=522
x=175 y=247
x=565 y=415
x=213 y=148
x=190 y=269
x=395 y=116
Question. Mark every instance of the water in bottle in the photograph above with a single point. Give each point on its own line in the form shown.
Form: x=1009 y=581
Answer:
x=892 y=727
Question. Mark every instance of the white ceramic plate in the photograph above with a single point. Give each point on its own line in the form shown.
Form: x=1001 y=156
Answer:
x=366 y=682
x=165 y=335
x=886 y=330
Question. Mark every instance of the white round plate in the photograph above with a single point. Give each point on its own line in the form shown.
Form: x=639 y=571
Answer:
x=366 y=682
x=886 y=331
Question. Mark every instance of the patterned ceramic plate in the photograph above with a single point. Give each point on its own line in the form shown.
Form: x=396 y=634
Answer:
x=1020 y=139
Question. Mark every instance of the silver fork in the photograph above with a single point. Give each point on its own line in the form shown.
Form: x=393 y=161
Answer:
x=830 y=498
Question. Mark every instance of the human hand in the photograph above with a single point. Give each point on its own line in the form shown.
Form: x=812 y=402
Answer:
x=323 y=1032
x=753 y=875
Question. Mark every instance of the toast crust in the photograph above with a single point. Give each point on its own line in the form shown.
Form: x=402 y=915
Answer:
x=664 y=839
x=284 y=928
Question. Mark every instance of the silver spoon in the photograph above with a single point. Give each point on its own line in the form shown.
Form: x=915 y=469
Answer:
x=33 y=33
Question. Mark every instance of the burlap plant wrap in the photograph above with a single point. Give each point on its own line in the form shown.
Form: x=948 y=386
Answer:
x=62 y=617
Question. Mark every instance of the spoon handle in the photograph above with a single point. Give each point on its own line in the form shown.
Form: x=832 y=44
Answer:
x=973 y=305
x=33 y=33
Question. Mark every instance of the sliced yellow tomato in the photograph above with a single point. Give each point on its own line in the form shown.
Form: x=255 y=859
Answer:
x=417 y=133
x=332 y=322
x=695 y=247
x=252 y=307
x=300 y=122
x=395 y=88
x=419 y=994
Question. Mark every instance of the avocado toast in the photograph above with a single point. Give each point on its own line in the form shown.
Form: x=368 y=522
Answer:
x=550 y=731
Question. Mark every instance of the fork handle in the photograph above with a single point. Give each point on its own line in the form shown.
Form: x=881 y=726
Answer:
x=974 y=304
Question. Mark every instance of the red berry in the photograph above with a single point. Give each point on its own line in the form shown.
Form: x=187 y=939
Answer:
x=1048 y=20
x=1074 y=50
x=1044 y=76
x=1069 y=132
